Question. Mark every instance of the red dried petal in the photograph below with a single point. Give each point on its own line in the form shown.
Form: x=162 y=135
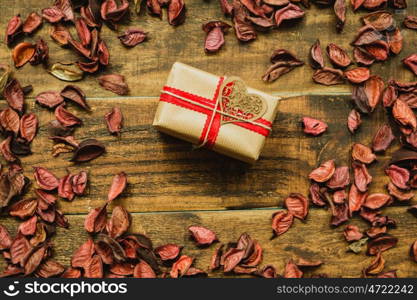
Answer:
x=383 y=138
x=176 y=12
x=292 y=271
x=83 y=254
x=404 y=115
x=114 y=120
x=356 y=199
x=202 y=235
x=79 y=183
x=119 y=222
x=338 y=56
x=313 y=126
x=114 y=83
x=181 y=266
x=316 y=56
x=340 y=178
x=358 y=75
x=381 y=244
x=362 y=153
x=399 y=194
x=14 y=95
x=65 y=188
x=143 y=270
x=362 y=177
x=96 y=219
x=93 y=267
x=45 y=179
x=232 y=258
x=377 y=200
x=352 y=233
x=29 y=226
x=281 y=222
x=328 y=76
x=52 y=14
x=49 y=99
x=65 y=117
x=297 y=205
x=168 y=251
x=289 y=12
x=118 y=186
x=132 y=37
x=398 y=176
x=5 y=238
x=33 y=22
x=28 y=126
x=75 y=94
x=324 y=172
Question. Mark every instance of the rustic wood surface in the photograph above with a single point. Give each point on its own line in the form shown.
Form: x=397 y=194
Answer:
x=172 y=187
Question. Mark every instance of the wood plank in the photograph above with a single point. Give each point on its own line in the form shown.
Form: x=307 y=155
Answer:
x=314 y=239
x=146 y=66
x=166 y=175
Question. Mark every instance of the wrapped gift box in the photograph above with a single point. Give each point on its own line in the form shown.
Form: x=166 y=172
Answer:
x=219 y=113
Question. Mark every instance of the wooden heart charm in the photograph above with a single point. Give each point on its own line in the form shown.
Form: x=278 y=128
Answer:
x=237 y=102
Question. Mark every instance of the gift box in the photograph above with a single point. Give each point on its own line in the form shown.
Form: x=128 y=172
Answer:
x=219 y=113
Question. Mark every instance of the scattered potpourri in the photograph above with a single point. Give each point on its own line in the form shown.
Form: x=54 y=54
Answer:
x=112 y=251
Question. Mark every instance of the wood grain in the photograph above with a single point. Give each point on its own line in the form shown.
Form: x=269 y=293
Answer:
x=146 y=66
x=166 y=175
x=314 y=239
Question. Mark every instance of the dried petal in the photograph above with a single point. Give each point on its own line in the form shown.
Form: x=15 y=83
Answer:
x=292 y=271
x=5 y=238
x=354 y=120
x=313 y=126
x=79 y=183
x=60 y=34
x=356 y=199
x=297 y=205
x=380 y=20
x=398 y=176
x=45 y=179
x=14 y=95
x=413 y=251
x=316 y=56
x=202 y=235
x=328 y=76
x=176 y=12
x=114 y=83
x=119 y=222
x=88 y=150
x=340 y=12
x=52 y=14
x=281 y=222
x=362 y=57
x=352 y=233
x=22 y=53
x=362 y=153
x=75 y=94
x=362 y=177
x=411 y=62
x=377 y=200
x=338 y=56
x=289 y=12
x=358 y=75
x=399 y=194
x=83 y=32
x=374 y=87
x=181 y=266
x=132 y=37
x=65 y=188
x=324 y=172
x=143 y=270
x=381 y=244
x=28 y=126
x=340 y=178
x=376 y=266
x=168 y=251
x=95 y=221
x=65 y=117
x=404 y=115
x=93 y=268
x=14 y=28
x=114 y=120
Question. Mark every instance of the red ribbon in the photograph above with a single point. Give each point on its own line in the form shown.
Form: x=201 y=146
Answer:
x=214 y=129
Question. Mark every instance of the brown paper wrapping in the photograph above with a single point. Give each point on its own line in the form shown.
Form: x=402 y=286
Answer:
x=186 y=124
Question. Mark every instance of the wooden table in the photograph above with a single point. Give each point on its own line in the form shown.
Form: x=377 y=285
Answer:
x=172 y=187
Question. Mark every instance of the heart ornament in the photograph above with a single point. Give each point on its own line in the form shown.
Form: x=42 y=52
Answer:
x=237 y=102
